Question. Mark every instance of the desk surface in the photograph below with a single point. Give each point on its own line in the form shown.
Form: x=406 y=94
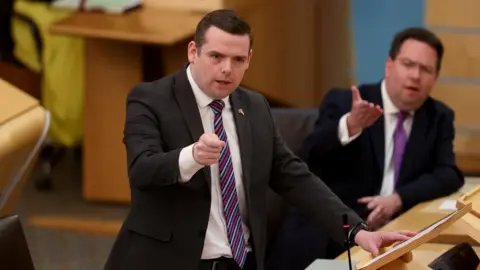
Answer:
x=420 y=217
x=427 y=213
x=156 y=26
x=423 y=255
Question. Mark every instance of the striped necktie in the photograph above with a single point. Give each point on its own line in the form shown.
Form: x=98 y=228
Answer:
x=231 y=207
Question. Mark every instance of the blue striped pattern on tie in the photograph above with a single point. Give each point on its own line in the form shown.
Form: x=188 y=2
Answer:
x=231 y=207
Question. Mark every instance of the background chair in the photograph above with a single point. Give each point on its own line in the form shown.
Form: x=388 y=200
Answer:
x=294 y=125
x=24 y=126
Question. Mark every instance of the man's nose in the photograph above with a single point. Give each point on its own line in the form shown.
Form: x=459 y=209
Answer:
x=227 y=66
x=415 y=73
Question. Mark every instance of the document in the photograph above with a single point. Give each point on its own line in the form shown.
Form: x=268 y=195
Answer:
x=448 y=205
x=108 y=6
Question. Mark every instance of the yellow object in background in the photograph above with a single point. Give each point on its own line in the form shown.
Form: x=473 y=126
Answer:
x=61 y=64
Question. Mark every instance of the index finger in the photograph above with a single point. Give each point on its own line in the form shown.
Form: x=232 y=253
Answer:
x=407 y=233
x=397 y=237
x=365 y=199
x=372 y=218
x=355 y=94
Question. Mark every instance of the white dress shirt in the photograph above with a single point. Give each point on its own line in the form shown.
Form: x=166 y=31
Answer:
x=216 y=240
x=390 y=117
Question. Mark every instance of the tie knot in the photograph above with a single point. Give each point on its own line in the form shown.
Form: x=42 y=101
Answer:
x=217 y=105
x=402 y=115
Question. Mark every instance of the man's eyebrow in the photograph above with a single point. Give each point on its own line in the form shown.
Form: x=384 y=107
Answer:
x=213 y=52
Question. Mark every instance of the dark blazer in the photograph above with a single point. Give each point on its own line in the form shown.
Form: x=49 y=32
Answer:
x=166 y=226
x=428 y=169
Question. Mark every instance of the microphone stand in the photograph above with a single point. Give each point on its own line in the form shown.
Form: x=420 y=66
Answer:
x=346 y=228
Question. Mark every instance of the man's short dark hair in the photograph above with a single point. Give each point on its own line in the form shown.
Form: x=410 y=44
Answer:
x=419 y=34
x=226 y=20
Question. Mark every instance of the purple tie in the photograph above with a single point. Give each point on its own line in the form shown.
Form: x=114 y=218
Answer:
x=399 y=142
x=231 y=206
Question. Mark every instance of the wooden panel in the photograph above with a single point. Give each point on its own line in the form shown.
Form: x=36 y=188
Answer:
x=464 y=100
x=113 y=68
x=467 y=144
x=467 y=151
x=283 y=66
x=462 y=56
x=452 y=13
x=334 y=50
x=468 y=164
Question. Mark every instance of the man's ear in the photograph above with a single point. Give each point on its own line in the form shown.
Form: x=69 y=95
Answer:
x=192 y=51
x=388 y=66
x=249 y=57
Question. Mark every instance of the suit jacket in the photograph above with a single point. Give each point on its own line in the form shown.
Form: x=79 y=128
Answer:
x=169 y=219
x=353 y=171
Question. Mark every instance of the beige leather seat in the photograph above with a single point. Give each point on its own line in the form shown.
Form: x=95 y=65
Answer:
x=23 y=128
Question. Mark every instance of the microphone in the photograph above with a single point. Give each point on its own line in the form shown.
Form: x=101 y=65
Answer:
x=346 y=228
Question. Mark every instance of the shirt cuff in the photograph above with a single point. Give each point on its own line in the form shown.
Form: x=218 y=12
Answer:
x=187 y=164
x=343 y=135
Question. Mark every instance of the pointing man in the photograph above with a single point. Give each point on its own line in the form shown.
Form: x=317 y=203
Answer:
x=201 y=153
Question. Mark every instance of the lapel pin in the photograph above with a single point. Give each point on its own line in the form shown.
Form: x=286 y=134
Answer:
x=240 y=111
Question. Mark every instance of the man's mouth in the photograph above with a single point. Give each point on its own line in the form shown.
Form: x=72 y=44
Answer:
x=413 y=88
x=223 y=82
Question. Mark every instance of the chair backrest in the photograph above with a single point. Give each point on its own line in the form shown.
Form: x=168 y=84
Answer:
x=294 y=125
x=23 y=128
x=14 y=251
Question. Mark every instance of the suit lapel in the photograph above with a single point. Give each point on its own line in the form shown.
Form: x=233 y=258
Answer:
x=377 y=129
x=417 y=136
x=188 y=106
x=242 y=122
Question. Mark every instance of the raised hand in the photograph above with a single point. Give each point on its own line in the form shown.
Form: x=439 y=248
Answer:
x=207 y=150
x=363 y=113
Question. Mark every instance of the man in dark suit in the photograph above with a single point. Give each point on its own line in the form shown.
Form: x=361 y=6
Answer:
x=382 y=148
x=201 y=153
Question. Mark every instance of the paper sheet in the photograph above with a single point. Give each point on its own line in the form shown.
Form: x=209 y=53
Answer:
x=416 y=237
x=448 y=205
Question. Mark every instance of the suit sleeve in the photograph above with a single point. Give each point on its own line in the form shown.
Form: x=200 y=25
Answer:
x=444 y=179
x=148 y=164
x=328 y=133
x=293 y=181
x=343 y=133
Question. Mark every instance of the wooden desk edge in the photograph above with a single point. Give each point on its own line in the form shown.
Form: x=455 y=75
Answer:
x=60 y=29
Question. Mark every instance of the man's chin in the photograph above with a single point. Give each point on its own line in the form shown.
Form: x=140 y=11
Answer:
x=222 y=92
x=410 y=104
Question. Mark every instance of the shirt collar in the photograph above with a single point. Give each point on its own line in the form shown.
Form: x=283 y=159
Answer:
x=388 y=106
x=203 y=100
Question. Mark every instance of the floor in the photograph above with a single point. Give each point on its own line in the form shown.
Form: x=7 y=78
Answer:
x=65 y=250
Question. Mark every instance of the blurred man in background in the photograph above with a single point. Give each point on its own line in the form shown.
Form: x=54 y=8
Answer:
x=382 y=147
